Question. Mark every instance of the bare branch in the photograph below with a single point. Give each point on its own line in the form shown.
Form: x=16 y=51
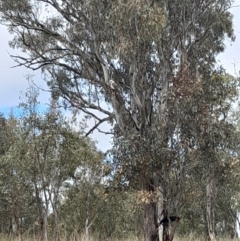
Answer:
x=96 y=125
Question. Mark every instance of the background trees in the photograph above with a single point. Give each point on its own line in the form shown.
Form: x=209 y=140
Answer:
x=146 y=67
x=44 y=153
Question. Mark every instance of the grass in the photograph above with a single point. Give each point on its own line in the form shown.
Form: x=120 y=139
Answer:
x=190 y=237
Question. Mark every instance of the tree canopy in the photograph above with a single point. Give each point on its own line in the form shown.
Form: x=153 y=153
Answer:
x=148 y=68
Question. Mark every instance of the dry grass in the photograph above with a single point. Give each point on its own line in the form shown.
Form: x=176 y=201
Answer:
x=194 y=237
x=190 y=237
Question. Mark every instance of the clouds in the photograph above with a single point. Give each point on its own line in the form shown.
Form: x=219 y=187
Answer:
x=10 y=79
x=13 y=81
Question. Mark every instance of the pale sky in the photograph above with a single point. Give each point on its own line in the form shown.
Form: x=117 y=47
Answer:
x=13 y=80
x=13 y=83
x=230 y=59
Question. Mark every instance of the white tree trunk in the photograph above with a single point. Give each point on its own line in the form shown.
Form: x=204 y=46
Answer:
x=210 y=208
x=160 y=212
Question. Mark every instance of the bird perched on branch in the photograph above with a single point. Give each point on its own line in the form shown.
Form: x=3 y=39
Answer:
x=171 y=218
x=113 y=85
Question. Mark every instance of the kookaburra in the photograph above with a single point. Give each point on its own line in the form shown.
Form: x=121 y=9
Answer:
x=113 y=85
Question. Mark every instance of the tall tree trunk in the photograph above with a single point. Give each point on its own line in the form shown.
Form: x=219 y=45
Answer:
x=150 y=224
x=210 y=216
x=18 y=226
x=160 y=209
x=44 y=230
x=56 y=225
x=173 y=230
x=165 y=226
x=87 y=226
x=150 y=214
x=10 y=227
x=53 y=202
x=42 y=214
x=237 y=227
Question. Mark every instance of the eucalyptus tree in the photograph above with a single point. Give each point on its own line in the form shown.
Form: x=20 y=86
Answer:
x=213 y=147
x=217 y=140
x=16 y=203
x=54 y=152
x=81 y=206
x=5 y=134
x=45 y=152
x=126 y=63
x=84 y=204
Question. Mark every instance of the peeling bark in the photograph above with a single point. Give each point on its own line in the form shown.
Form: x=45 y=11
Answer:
x=150 y=214
x=210 y=216
x=150 y=222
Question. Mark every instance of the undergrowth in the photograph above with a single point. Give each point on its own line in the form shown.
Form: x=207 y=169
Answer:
x=190 y=237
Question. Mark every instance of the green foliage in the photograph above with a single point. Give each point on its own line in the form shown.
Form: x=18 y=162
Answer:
x=148 y=68
x=45 y=152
